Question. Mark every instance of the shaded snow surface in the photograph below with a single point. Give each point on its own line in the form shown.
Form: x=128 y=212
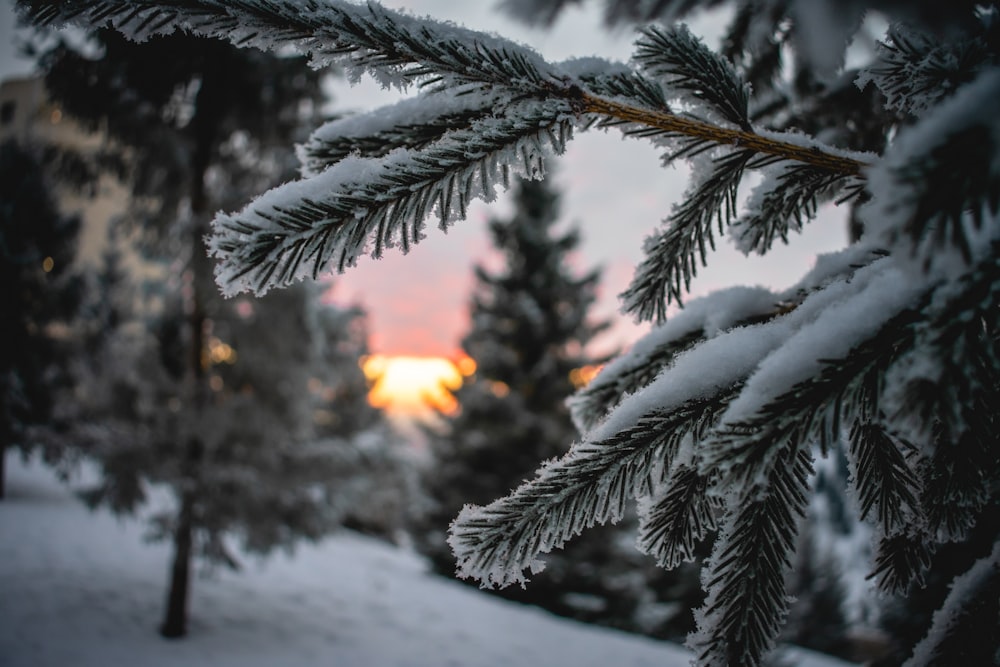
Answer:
x=83 y=589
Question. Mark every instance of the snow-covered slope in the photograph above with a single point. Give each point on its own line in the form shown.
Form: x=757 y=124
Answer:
x=83 y=589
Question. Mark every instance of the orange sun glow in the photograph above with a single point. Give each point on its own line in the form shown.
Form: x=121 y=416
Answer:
x=415 y=385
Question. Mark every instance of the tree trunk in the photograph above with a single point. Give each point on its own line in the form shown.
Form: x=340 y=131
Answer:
x=205 y=127
x=175 y=621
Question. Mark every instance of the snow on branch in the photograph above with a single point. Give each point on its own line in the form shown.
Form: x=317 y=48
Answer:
x=395 y=48
x=590 y=485
x=938 y=186
x=511 y=93
x=915 y=70
x=970 y=594
x=304 y=227
x=703 y=318
x=795 y=395
x=411 y=123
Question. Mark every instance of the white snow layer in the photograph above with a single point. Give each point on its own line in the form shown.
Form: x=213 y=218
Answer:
x=333 y=25
x=896 y=200
x=84 y=589
x=963 y=589
x=423 y=108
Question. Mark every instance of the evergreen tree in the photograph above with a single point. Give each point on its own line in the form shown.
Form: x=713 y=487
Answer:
x=265 y=465
x=261 y=434
x=529 y=337
x=712 y=420
x=40 y=298
x=530 y=327
x=530 y=330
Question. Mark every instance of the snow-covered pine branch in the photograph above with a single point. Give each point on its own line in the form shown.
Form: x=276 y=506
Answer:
x=591 y=485
x=304 y=227
x=713 y=421
x=971 y=593
x=702 y=319
x=745 y=576
x=395 y=48
x=699 y=76
x=917 y=71
x=785 y=200
x=412 y=124
x=452 y=151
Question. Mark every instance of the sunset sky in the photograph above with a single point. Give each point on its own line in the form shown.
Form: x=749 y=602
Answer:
x=613 y=188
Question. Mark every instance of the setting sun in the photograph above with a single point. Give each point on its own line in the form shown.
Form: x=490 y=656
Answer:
x=415 y=385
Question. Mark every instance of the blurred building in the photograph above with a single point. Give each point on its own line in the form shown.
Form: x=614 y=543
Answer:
x=28 y=116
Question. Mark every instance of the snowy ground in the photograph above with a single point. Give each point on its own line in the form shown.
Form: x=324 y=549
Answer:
x=83 y=589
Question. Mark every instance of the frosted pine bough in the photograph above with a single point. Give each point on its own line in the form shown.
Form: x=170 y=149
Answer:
x=712 y=422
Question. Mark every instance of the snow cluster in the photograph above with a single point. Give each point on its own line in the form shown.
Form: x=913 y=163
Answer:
x=915 y=209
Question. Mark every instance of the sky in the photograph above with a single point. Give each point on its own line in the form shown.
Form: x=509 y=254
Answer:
x=612 y=187
x=86 y=589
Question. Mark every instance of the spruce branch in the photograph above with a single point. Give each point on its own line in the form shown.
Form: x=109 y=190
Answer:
x=882 y=465
x=745 y=576
x=955 y=406
x=884 y=480
x=916 y=71
x=956 y=468
x=771 y=144
x=701 y=320
x=789 y=196
x=593 y=402
x=672 y=255
x=951 y=414
x=939 y=193
x=413 y=124
x=744 y=451
x=395 y=48
x=399 y=49
x=317 y=154
x=955 y=484
x=591 y=484
x=767 y=419
x=683 y=514
x=328 y=221
x=685 y=64
x=610 y=81
x=901 y=561
x=939 y=183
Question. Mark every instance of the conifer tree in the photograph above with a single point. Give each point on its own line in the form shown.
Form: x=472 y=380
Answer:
x=262 y=435
x=37 y=247
x=530 y=328
x=267 y=464
x=529 y=334
x=712 y=420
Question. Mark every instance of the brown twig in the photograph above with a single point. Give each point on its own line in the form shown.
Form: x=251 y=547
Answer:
x=720 y=135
